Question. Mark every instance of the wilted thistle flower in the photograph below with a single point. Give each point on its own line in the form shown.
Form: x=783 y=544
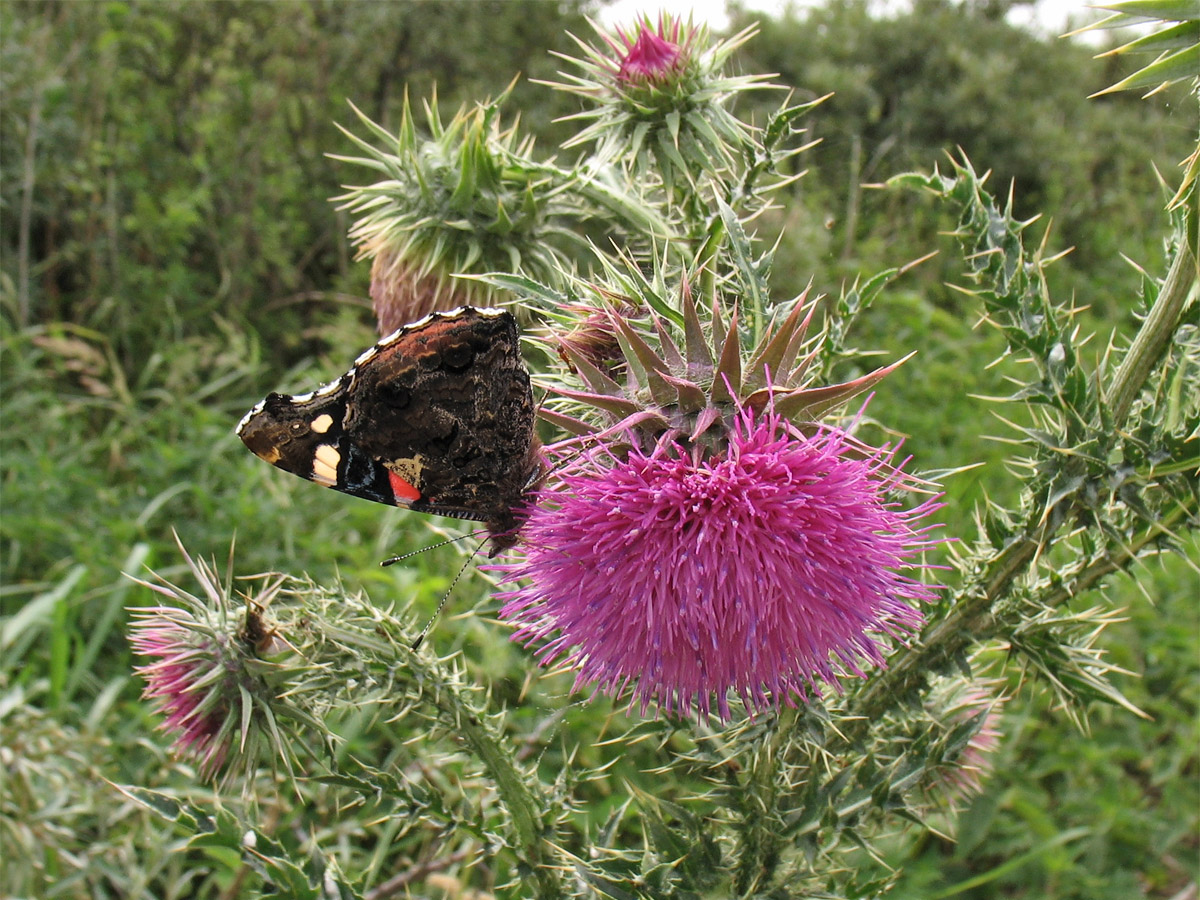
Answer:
x=963 y=777
x=765 y=570
x=206 y=676
x=593 y=337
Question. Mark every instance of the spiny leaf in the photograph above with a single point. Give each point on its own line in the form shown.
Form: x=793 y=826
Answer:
x=1177 y=66
x=695 y=342
x=727 y=379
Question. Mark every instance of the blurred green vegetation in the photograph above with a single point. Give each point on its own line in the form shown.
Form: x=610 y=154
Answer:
x=169 y=254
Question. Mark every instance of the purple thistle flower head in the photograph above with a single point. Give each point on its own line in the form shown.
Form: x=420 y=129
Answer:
x=765 y=569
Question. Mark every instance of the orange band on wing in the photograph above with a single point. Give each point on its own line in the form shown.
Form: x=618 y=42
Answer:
x=405 y=492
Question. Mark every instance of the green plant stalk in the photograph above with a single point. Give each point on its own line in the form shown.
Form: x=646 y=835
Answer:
x=706 y=256
x=514 y=791
x=1182 y=282
x=759 y=839
x=1088 y=575
x=976 y=620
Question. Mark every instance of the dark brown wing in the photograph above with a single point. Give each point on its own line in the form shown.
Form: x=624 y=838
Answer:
x=437 y=417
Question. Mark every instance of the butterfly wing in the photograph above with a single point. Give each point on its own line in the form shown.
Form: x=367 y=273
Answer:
x=437 y=417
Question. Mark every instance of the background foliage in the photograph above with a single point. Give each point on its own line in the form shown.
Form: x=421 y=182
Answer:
x=169 y=255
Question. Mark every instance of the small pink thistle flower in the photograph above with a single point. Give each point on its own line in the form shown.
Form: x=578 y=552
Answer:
x=187 y=680
x=963 y=778
x=208 y=673
x=766 y=569
x=650 y=57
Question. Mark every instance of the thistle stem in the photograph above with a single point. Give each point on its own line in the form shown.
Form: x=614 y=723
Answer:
x=512 y=788
x=467 y=722
x=975 y=619
x=761 y=832
x=1182 y=282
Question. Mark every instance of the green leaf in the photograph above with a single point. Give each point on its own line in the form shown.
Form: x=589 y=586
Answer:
x=1175 y=67
x=749 y=276
x=1165 y=10
x=526 y=288
x=155 y=801
x=1011 y=865
x=22 y=628
x=1185 y=34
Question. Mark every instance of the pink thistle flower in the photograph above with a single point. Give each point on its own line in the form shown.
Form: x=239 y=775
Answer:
x=651 y=57
x=963 y=778
x=650 y=54
x=209 y=675
x=188 y=681
x=765 y=569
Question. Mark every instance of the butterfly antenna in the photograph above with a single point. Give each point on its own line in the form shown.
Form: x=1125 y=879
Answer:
x=453 y=540
x=446 y=596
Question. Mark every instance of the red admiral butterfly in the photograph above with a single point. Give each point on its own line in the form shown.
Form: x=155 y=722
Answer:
x=436 y=417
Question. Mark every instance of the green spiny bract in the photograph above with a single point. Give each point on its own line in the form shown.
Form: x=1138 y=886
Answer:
x=469 y=198
x=652 y=361
x=659 y=102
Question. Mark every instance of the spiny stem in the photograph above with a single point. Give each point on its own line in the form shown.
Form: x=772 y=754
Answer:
x=514 y=790
x=974 y=619
x=1152 y=340
x=760 y=839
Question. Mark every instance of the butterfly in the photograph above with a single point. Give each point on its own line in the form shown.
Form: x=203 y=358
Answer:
x=437 y=417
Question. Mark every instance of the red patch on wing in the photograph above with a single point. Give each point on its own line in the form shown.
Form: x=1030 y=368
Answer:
x=405 y=492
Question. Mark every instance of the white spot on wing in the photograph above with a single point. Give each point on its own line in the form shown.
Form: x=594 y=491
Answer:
x=325 y=463
x=321 y=423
